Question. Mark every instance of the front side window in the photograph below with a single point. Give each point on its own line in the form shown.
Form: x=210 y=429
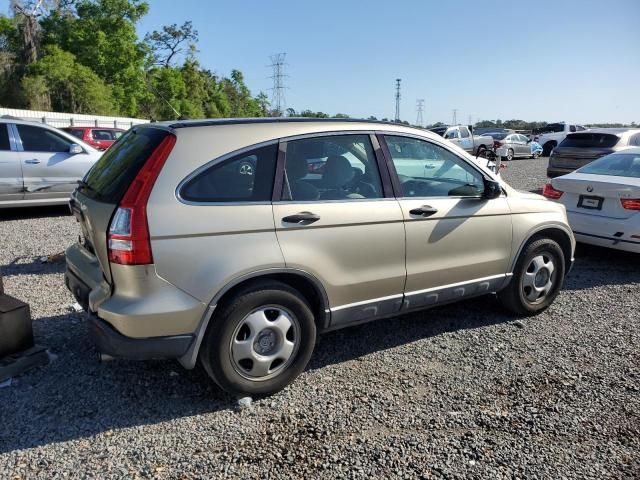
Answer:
x=451 y=134
x=37 y=139
x=246 y=177
x=635 y=140
x=336 y=167
x=428 y=170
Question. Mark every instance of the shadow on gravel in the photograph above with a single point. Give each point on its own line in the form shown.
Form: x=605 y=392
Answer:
x=77 y=397
x=26 y=213
x=31 y=266
x=597 y=266
x=353 y=342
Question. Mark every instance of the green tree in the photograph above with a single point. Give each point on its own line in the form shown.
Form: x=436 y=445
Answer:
x=167 y=44
x=57 y=81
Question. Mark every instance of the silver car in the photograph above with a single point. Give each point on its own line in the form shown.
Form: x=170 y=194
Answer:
x=236 y=242
x=39 y=164
x=516 y=145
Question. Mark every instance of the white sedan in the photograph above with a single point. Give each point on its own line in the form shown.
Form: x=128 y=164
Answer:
x=603 y=200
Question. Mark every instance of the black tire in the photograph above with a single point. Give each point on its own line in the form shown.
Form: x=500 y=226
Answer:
x=547 y=147
x=481 y=151
x=514 y=296
x=216 y=352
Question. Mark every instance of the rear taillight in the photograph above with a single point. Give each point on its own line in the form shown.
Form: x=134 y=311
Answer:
x=550 y=192
x=630 y=203
x=497 y=144
x=128 y=238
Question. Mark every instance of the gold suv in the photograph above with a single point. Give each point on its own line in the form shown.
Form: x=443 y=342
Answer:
x=235 y=242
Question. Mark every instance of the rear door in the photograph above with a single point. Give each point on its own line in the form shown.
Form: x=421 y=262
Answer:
x=458 y=243
x=49 y=170
x=10 y=169
x=338 y=223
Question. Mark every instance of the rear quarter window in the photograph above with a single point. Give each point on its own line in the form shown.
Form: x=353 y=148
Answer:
x=246 y=177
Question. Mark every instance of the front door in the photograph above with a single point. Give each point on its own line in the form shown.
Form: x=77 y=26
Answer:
x=458 y=244
x=336 y=222
x=10 y=171
x=49 y=170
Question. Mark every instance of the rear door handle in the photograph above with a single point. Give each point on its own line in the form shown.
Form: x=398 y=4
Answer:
x=303 y=218
x=424 y=211
x=35 y=161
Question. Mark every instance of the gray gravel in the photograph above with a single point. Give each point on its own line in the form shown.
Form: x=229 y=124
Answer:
x=460 y=391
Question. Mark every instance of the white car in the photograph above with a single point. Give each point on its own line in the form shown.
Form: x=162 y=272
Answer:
x=39 y=164
x=603 y=200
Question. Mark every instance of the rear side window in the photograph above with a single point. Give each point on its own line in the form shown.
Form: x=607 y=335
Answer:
x=110 y=177
x=4 y=137
x=36 y=139
x=590 y=140
x=635 y=140
x=246 y=177
x=464 y=133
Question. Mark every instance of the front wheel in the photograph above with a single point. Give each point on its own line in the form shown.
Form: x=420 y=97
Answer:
x=537 y=278
x=260 y=341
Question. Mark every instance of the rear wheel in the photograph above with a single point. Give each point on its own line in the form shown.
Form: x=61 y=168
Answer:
x=547 y=147
x=509 y=155
x=260 y=341
x=537 y=278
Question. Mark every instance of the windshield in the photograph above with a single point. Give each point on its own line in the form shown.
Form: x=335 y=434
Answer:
x=552 y=128
x=616 y=164
x=590 y=140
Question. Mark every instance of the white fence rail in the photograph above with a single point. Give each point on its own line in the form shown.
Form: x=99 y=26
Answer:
x=58 y=119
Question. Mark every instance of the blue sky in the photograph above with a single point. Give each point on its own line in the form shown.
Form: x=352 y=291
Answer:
x=573 y=60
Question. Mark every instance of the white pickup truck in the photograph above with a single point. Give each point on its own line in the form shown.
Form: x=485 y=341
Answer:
x=552 y=134
x=462 y=135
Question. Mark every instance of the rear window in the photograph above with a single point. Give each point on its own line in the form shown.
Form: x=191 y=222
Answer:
x=110 y=177
x=439 y=130
x=590 y=140
x=498 y=136
x=617 y=164
x=105 y=134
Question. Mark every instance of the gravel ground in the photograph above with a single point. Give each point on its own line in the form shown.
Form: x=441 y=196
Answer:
x=459 y=391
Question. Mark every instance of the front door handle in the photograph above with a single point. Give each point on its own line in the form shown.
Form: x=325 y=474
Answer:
x=424 y=211
x=35 y=161
x=303 y=218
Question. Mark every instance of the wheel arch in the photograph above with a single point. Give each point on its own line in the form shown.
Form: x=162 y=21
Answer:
x=307 y=284
x=559 y=233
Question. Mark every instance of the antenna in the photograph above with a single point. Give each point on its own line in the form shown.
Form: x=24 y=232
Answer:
x=278 y=101
x=420 y=109
x=455 y=116
x=398 y=80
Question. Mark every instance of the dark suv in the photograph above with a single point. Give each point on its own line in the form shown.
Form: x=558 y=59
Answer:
x=578 y=149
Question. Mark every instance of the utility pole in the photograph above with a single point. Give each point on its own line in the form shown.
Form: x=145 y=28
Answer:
x=470 y=120
x=455 y=116
x=420 y=109
x=398 y=80
x=278 y=102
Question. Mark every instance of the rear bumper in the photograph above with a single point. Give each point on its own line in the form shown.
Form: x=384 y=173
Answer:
x=604 y=232
x=111 y=342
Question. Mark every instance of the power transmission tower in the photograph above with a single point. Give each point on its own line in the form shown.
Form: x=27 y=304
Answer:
x=455 y=116
x=398 y=80
x=420 y=109
x=278 y=102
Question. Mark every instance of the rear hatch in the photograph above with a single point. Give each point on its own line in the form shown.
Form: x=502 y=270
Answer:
x=579 y=149
x=98 y=195
x=597 y=194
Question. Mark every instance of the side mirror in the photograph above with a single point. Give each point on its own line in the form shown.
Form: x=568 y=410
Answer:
x=528 y=140
x=75 y=149
x=492 y=189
